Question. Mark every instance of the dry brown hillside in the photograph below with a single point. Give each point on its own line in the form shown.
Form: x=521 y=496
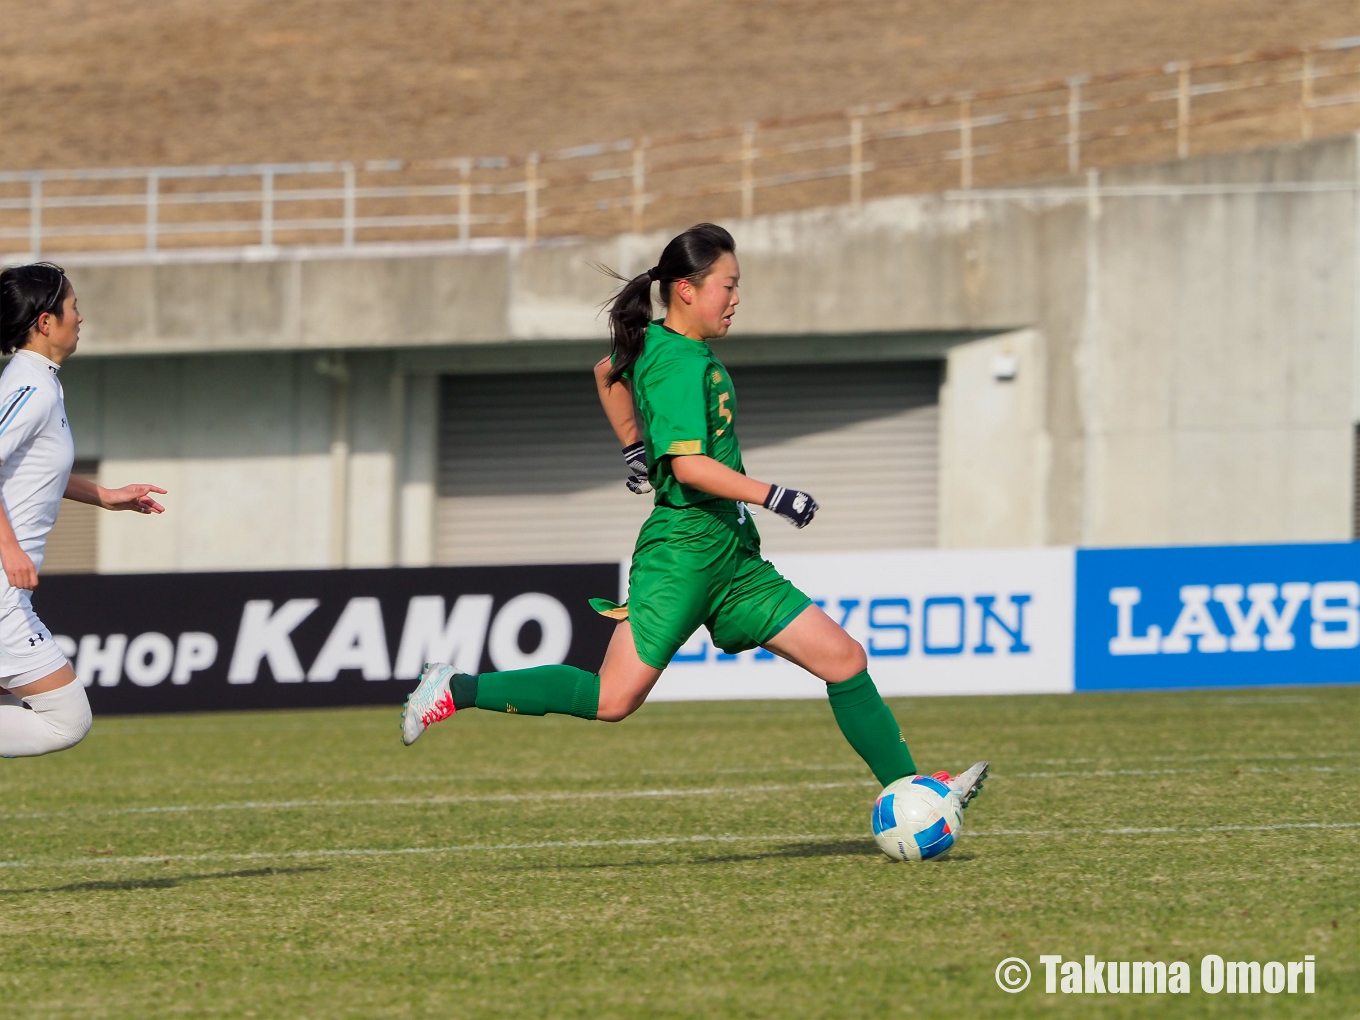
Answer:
x=99 y=82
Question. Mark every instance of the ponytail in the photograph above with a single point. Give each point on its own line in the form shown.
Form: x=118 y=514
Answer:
x=27 y=293
x=630 y=313
x=688 y=256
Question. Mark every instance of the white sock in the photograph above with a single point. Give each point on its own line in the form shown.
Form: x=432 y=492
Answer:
x=53 y=721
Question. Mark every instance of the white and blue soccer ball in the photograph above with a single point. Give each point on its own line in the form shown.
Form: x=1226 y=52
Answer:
x=916 y=818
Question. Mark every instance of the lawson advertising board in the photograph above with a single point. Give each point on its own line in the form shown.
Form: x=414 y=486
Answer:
x=1217 y=616
x=932 y=622
x=1052 y=620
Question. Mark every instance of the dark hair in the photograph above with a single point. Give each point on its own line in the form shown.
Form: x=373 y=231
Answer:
x=688 y=256
x=26 y=294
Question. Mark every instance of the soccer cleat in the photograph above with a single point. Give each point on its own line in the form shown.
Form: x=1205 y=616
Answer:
x=429 y=703
x=967 y=785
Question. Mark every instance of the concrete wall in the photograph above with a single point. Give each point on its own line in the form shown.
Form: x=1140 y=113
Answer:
x=1188 y=365
x=260 y=472
x=995 y=448
x=1221 y=356
x=290 y=303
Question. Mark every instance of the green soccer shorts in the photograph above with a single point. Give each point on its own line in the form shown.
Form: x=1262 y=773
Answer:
x=694 y=568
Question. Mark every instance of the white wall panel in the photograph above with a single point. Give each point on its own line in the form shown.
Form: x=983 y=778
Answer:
x=933 y=622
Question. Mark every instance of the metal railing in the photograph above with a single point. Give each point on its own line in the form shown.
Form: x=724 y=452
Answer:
x=928 y=143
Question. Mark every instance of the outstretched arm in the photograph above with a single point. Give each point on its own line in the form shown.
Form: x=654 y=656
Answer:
x=130 y=497
x=708 y=475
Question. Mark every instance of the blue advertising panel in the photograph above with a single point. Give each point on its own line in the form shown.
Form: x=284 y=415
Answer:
x=1217 y=616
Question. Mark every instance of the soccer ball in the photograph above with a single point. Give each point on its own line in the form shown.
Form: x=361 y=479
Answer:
x=916 y=818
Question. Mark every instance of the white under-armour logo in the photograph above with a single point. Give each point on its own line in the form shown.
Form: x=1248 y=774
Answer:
x=799 y=502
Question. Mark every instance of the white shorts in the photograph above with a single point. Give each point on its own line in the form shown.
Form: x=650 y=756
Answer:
x=28 y=651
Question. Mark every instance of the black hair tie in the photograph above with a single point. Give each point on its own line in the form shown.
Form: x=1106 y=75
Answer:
x=654 y=273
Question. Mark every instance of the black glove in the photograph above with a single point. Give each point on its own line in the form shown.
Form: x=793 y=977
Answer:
x=635 y=459
x=795 y=507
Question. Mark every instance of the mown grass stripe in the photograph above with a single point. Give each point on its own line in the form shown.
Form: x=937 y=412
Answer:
x=437 y=799
x=581 y=795
x=586 y=844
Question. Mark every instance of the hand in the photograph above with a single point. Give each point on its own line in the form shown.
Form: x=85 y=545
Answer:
x=19 y=568
x=132 y=497
x=795 y=507
x=635 y=459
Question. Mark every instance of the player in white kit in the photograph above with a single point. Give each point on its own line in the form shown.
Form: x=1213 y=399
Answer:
x=42 y=707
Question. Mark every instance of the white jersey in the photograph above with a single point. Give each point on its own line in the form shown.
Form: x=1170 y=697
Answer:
x=36 y=453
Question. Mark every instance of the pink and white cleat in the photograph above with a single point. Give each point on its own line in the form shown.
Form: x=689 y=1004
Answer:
x=966 y=785
x=429 y=703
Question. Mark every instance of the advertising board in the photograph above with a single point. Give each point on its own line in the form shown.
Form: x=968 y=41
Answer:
x=284 y=639
x=931 y=621
x=1218 y=616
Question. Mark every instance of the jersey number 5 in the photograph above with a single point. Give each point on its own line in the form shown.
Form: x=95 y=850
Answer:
x=724 y=411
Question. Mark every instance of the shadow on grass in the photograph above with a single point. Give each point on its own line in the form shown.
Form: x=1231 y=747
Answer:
x=169 y=882
x=843 y=848
x=837 y=848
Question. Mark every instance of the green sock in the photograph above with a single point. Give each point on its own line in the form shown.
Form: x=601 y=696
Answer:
x=564 y=690
x=870 y=727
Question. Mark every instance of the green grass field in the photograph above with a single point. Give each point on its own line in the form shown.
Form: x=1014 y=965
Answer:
x=698 y=860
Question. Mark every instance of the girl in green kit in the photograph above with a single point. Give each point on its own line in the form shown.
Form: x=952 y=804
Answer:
x=697 y=561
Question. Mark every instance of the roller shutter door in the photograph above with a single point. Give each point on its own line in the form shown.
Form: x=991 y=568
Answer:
x=529 y=471
x=73 y=543
x=863 y=439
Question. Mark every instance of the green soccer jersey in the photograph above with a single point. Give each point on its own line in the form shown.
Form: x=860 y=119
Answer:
x=688 y=405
